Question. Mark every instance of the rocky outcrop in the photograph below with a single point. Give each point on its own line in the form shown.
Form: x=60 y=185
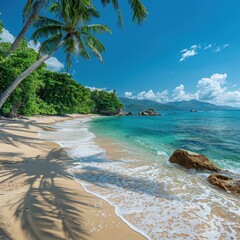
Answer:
x=117 y=112
x=149 y=112
x=225 y=183
x=189 y=160
x=125 y=114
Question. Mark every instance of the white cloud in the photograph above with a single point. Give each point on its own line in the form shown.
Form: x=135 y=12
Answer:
x=128 y=94
x=195 y=49
x=208 y=46
x=98 y=89
x=186 y=53
x=213 y=89
x=53 y=64
x=161 y=97
x=220 y=48
x=210 y=88
x=6 y=36
x=179 y=94
x=34 y=46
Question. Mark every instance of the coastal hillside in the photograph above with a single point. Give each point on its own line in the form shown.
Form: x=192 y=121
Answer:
x=134 y=106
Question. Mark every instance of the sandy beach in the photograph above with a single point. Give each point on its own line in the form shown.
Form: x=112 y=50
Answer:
x=39 y=199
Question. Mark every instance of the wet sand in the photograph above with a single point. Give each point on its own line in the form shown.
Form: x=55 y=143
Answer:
x=39 y=199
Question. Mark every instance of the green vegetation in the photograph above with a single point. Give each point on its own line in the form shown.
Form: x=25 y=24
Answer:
x=1 y=26
x=68 y=29
x=46 y=92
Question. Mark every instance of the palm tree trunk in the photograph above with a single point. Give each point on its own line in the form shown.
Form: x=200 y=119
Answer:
x=21 y=35
x=4 y=96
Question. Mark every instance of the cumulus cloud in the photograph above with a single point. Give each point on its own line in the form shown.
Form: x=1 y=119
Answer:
x=187 y=53
x=53 y=64
x=149 y=95
x=128 y=94
x=6 y=36
x=213 y=89
x=98 y=89
x=179 y=94
x=95 y=88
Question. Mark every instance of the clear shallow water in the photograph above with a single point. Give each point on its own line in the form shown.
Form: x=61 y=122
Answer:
x=155 y=197
x=215 y=134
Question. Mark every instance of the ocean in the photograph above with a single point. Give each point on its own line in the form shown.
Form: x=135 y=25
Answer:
x=124 y=160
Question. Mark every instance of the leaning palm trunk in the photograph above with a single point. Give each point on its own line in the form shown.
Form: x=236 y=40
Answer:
x=4 y=96
x=37 y=7
x=21 y=35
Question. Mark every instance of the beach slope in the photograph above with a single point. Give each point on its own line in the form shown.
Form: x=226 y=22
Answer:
x=39 y=199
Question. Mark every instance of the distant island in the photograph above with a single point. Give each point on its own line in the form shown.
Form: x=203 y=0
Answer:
x=135 y=106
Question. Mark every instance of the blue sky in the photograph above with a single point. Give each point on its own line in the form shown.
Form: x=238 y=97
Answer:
x=186 y=49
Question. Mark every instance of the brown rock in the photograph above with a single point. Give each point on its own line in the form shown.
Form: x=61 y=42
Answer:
x=192 y=160
x=149 y=112
x=226 y=183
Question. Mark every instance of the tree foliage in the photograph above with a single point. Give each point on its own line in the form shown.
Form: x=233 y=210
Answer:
x=46 y=92
x=106 y=101
x=1 y=27
x=24 y=100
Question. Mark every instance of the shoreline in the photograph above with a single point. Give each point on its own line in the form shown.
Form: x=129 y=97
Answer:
x=46 y=191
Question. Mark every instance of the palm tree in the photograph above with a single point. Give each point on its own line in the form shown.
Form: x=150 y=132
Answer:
x=30 y=14
x=1 y=26
x=139 y=10
x=70 y=32
x=33 y=8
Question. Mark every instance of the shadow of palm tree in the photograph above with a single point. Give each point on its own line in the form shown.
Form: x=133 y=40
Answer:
x=47 y=209
x=45 y=203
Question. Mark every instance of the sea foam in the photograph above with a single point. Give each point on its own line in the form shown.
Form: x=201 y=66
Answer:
x=155 y=198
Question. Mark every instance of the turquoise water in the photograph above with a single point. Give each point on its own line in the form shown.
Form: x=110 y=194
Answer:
x=215 y=134
x=124 y=160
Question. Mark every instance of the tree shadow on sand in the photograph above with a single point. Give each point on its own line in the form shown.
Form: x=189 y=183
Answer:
x=47 y=209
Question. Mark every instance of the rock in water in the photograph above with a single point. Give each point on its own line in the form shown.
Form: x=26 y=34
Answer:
x=192 y=160
x=149 y=112
x=226 y=183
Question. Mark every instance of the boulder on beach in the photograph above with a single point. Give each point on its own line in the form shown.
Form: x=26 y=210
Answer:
x=194 y=160
x=149 y=112
x=225 y=183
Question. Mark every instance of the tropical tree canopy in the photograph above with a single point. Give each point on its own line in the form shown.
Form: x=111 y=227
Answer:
x=71 y=28
x=70 y=31
x=46 y=92
x=139 y=10
x=1 y=26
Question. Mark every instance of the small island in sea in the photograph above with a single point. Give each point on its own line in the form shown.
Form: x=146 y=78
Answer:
x=144 y=146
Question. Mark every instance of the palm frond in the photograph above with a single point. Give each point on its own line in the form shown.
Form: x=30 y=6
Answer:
x=69 y=49
x=50 y=44
x=95 y=29
x=45 y=21
x=139 y=11
x=95 y=46
x=33 y=7
x=82 y=51
x=46 y=31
